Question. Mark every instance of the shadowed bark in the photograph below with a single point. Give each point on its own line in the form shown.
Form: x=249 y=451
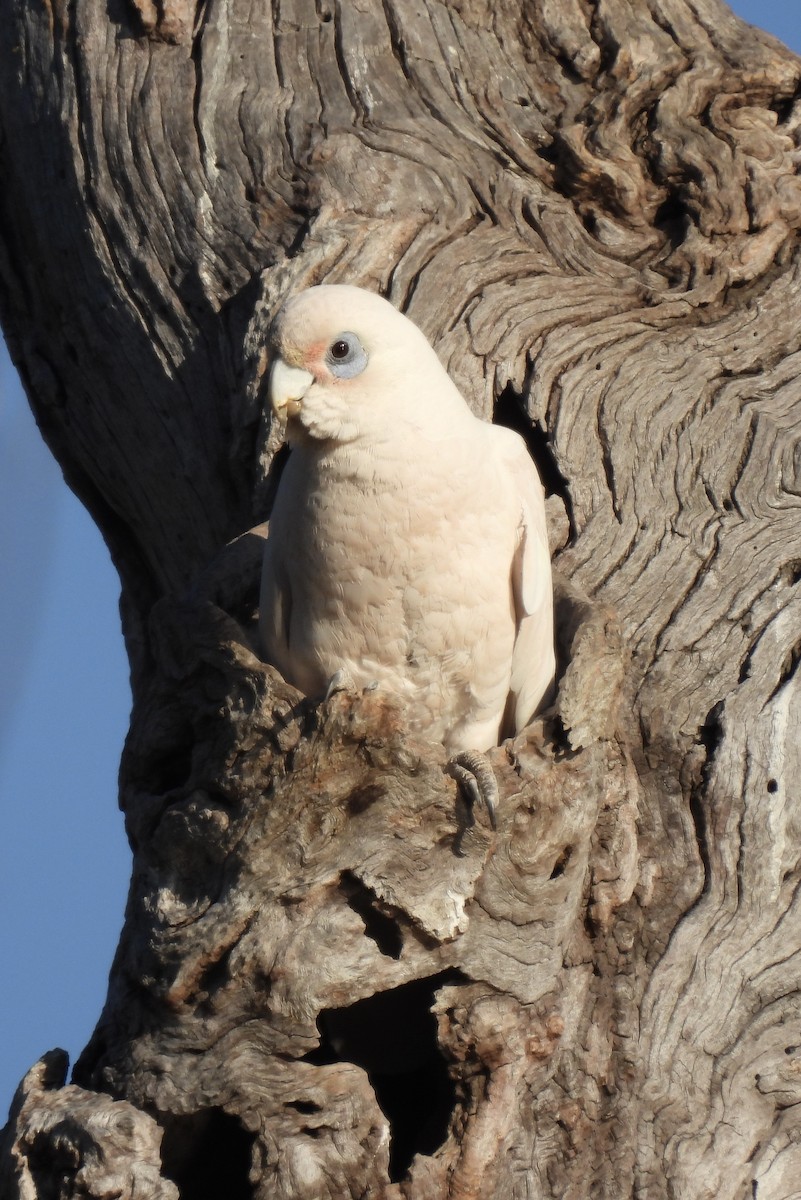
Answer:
x=333 y=979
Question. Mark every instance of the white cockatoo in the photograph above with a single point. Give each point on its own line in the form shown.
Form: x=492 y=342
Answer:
x=407 y=546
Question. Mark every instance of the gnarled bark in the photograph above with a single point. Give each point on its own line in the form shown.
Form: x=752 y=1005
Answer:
x=332 y=977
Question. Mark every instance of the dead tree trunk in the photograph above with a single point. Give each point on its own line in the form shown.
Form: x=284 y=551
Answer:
x=592 y=209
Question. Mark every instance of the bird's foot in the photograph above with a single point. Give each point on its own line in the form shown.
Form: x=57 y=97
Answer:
x=472 y=771
x=343 y=681
x=340 y=681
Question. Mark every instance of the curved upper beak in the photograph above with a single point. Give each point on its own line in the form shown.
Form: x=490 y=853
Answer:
x=288 y=386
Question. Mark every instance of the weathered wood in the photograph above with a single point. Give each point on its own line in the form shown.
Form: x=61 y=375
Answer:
x=592 y=209
x=82 y=1142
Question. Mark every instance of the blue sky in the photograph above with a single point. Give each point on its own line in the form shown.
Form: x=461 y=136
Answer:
x=64 y=704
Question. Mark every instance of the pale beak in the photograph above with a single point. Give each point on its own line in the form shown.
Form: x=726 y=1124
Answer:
x=288 y=386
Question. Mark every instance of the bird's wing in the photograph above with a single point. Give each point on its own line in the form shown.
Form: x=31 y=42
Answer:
x=275 y=604
x=533 y=658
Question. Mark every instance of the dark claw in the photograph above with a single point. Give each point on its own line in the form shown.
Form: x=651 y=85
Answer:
x=343 y=681
x=340 y=681
x=476 y=778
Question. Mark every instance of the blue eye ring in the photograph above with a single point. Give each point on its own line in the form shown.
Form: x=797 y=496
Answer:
x=346 y=357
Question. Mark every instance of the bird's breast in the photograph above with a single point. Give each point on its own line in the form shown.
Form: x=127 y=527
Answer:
x=401 y=572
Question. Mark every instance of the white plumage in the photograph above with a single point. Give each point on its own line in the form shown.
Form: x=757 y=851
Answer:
x=407 y=546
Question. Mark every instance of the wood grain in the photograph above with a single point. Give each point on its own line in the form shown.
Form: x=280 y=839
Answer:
x=592 y=209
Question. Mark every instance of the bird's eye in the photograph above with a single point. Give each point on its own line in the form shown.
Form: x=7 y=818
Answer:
x=346 y=357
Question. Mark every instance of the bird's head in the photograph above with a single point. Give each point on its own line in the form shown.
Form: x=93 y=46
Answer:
x=348 y=365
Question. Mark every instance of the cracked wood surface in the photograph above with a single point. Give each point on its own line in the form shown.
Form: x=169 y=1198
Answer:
x=592 y=209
